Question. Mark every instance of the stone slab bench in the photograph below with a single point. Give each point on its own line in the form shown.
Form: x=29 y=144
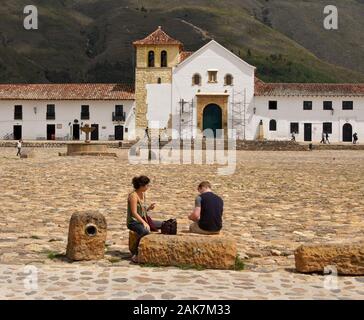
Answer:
x=348 y=258
x=187 y=249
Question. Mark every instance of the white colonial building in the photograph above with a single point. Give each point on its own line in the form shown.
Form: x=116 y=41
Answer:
x=56 y=111
x=209 y=89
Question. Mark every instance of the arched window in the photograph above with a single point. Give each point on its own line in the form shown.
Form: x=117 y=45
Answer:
x=196 y=79
x=164 y=62
x=228 y=80
x=273 y=125
x=151 y=59
x=159 y=80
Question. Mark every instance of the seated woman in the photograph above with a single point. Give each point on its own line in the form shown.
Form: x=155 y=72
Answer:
x=137 y=211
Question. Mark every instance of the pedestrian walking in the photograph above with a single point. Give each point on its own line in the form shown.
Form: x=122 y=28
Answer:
x=19 y=146
x=323 y=138
x=355 y=138
x=147 y=133
x=327 y=138
x=293 y=136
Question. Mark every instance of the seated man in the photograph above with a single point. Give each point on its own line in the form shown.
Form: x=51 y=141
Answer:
x=207 y=215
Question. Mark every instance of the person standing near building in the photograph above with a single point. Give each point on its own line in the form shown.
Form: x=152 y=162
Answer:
x=293 y=136
x=355 y=138
x=323 y=138
x=327 y=138
x=147 y=133
x=19 y=146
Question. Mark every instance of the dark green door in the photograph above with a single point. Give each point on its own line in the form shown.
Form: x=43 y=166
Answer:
x=212 y=118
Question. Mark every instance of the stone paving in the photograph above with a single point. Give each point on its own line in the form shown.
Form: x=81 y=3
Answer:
x=274 y=202
x=134 y=282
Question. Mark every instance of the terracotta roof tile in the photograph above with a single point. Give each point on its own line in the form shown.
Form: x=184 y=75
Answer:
x=308 y=89
x=184 y=55
x=75 y=91
x=157 y=37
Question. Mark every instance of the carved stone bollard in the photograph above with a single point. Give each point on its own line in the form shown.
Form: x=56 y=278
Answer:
x=86 y=237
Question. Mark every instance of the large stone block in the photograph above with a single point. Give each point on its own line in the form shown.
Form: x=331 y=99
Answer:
x=86 y=236
x=213 y=252
x=348 y=259
x=133 y=242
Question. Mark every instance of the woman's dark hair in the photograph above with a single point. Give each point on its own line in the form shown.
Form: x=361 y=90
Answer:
x=141 y=181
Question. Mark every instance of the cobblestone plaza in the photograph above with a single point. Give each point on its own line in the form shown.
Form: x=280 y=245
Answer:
x=274 y=202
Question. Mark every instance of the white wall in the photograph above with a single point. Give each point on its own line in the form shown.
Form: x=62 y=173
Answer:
x=290 y=109
x=34 y=124
x=159 y=105
x=212 y=56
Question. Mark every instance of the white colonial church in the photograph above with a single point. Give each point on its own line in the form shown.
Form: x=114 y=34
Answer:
x=208 y=89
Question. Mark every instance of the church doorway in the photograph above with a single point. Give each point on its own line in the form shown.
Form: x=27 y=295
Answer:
x=347 y=132
x=212 y=118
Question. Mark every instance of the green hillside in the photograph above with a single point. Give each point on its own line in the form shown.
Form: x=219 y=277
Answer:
x=90 y=40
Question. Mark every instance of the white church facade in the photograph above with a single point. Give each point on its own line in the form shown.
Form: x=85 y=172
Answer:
x=208 y=89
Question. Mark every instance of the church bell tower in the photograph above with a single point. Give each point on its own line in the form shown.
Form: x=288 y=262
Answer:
x=156 y=55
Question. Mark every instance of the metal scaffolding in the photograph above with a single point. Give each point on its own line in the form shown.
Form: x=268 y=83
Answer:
x=186 y=118
x=238 y=113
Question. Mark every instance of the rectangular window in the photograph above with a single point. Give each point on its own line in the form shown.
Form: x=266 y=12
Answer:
x=85 y=109
x=18 y=112
x=327 y=105
x=51 y=112
x=213 y=76
x=119 y=114
x=85 y=112
x=348 y=105
x=327 y=127
x=307 y=105
x=273 y=105
x=119 y=109
x=294 y=127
